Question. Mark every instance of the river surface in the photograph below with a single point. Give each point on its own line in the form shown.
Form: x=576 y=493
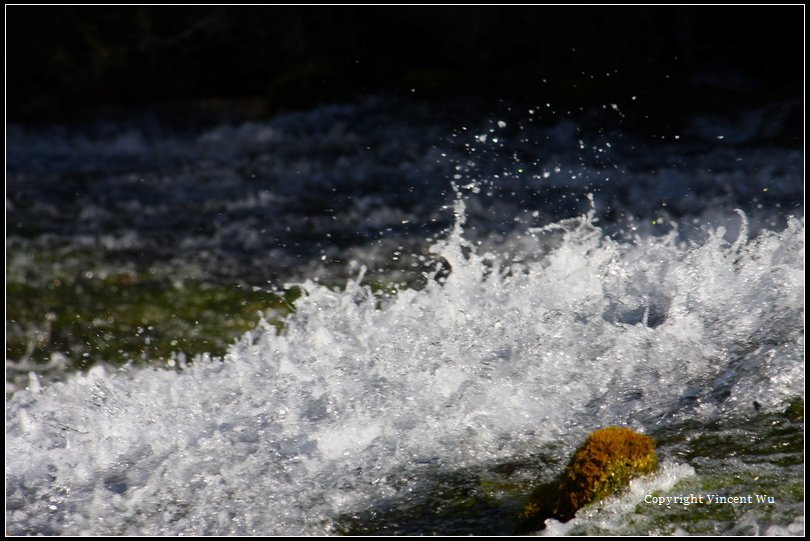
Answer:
x=444 y=305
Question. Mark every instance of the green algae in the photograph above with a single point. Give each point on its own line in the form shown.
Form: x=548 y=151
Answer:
x=73 y=305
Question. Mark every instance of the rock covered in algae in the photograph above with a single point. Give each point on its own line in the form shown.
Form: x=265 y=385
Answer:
x=602 y=466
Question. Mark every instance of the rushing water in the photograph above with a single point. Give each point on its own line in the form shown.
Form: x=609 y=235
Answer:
x=570 y=280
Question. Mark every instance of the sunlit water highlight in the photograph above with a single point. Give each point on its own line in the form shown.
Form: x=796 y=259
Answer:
x=361 y=399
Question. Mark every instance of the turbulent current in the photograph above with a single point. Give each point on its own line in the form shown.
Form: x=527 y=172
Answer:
x=400 y=412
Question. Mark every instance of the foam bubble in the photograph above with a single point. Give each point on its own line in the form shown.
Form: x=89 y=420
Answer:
x=494 y=360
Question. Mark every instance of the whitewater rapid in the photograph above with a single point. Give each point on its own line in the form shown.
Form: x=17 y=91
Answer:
x=363 y=395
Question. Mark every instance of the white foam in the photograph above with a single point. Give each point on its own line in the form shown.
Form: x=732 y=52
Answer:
x=794 y=528
x=615 y=513
x=291 y=430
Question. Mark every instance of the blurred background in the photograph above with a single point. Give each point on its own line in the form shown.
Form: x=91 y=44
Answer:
x=169 y=170
x=60 y=59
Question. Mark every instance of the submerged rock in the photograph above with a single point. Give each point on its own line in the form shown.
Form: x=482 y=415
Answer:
x=602 y=466
x=795 y=410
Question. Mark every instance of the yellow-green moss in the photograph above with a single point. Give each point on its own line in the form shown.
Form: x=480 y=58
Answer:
x=602 y=466
x=120 y=317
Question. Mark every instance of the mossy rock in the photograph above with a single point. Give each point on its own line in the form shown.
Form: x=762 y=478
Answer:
x=602 y=466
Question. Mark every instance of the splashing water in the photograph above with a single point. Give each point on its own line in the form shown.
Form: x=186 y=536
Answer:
x=360 y=399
